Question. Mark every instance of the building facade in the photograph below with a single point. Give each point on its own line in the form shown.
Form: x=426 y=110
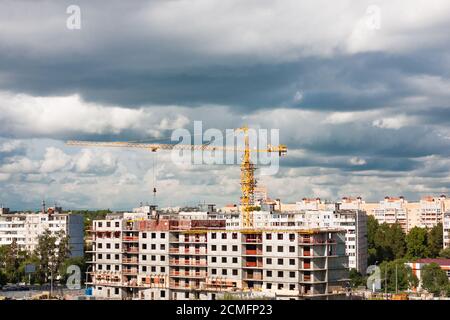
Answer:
x=446 y=231
x=25 y=228
x=204 y=255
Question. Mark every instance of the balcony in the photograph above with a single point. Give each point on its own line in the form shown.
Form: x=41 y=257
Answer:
x=253 y=277
x=130 y=239
x=185 y=286
x=188 y=274
x=254 y=252
x=178 y=262
x=253 y=240
x=130 y=271
x=131 y=250
x=253 y=264
x=130 y=261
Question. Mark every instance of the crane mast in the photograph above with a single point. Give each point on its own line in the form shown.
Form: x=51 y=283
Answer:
x=247 y=176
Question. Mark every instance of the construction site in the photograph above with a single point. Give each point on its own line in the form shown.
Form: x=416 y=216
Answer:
x=256 y=252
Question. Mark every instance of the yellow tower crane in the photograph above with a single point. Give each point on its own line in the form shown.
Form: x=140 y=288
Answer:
x=247 y=178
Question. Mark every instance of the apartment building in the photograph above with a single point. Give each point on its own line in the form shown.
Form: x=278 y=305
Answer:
x=25 y=228
x=446 y=231
x=345 y=215
x=202 y=255
x=426 y=213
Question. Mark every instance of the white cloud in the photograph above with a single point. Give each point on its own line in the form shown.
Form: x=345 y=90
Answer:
x=25 y=115
x=395 y=122
x=357 y=161
x=55 y=159
x=263 y=29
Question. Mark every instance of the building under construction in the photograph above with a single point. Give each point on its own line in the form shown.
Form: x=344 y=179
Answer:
x=147 y=254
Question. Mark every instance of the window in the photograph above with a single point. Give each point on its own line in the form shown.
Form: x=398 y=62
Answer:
x=224 y=272
x=280 y=236
x=108 y=224
x=108 y=256
x=280 y=274
x=117 y=267
x=292 y=274
x=292 y=287
x=269 y=248
x=144 y=257
x=235 y=260
x=144 y=246
x=234 y=235
x=213 y=248
x=153 y=269
x=235 y=248
x=153 y=235
x=116 y=290
x=163 y=269
x=144 y=235
x=292 y=262
x=291 y=249
x=224 y=259
x=269 y=273
x=269 y=261
x=108 y=246
x=116 y=257
x=163 y=236
x=117 y=246
x=162 y=247
x=214 y=271
x=153 y=258
x=235 y=272
x=224 y=248
x=224 y=236
x=163 y=258
x=214 y=259
x=163 y=294
x=213 y=235
x=100 y=245
x=117 y=224
x=268 y=236
x=144 y=268
x=280 y=261
x=280 y=286
x=186 y=295
x=153 y=246
x=99 y=224
x=280 y=249
x=291 y=236
x=269 y=286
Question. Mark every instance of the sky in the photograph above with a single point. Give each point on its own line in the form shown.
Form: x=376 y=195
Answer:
x=359 y=91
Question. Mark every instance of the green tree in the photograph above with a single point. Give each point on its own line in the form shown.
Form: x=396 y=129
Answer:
x=372 y=227
x=52 y=250
x=10 y=259
x=396 y=241
x=445 y=253
x=356 y=278
x=416 y=243
x=434 y=279
x=435 y=237
x=385 y=242
x=397 y=275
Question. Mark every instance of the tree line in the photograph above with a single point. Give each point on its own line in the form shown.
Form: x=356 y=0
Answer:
x=51 y=257
x=390 y=249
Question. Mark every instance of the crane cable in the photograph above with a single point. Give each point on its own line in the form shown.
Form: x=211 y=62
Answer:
x=155 y=162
